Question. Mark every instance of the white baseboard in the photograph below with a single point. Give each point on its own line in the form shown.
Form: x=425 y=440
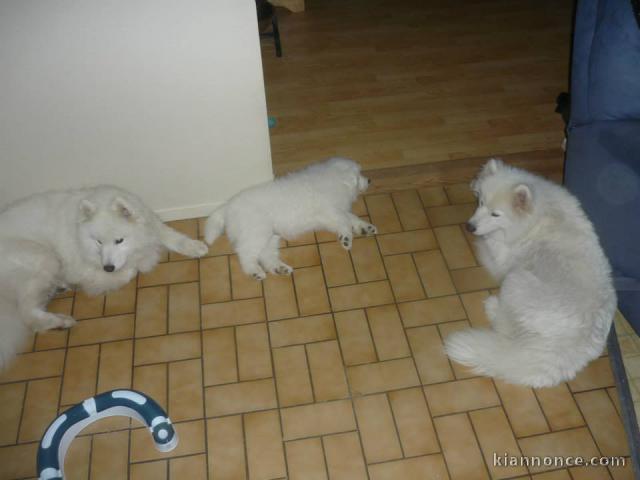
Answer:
x=189 y=211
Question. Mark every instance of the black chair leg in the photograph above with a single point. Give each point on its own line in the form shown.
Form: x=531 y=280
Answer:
x=276 y=35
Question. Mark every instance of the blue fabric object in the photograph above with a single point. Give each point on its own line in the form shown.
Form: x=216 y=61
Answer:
x=605 y=77
x=603 y=151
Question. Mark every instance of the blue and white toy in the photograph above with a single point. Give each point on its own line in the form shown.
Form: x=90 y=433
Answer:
x=128 y=403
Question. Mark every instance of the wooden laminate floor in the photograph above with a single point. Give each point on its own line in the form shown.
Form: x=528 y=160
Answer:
x=409 y=82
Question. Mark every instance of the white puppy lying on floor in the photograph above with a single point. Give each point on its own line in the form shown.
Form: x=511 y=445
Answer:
x=96 y=239
x=318 y=197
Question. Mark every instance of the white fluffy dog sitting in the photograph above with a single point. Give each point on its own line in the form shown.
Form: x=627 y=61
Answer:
x=556 y=301
x=96 y=239
x=318 y=197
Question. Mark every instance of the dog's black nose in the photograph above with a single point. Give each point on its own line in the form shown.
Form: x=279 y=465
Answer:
x=470 y=227
x=109 y=268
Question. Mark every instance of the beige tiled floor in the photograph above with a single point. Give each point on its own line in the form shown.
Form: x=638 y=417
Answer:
x=630 y=347
x=334 y=373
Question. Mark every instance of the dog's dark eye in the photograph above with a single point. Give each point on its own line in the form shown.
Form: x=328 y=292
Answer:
x=98 y=242
x=119 y=240
x=495 y=214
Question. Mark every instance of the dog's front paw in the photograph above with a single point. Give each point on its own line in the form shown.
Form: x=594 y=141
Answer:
x=368 y=229
x=346 y=241
x=258 y=275
x=283 y=269
x=49 y=321
x=194 y=248
x=65 y=321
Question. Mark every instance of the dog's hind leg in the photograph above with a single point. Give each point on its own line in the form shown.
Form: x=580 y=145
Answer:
x=35 y=278
x=249 y=249
x=361 y=227
x=339 y=223
x=180 y=243
x=270 y=258
x=496 y=315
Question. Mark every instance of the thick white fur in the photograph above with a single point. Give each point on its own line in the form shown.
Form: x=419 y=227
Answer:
x=50 y=241
x=318 y=197
x=556 y=301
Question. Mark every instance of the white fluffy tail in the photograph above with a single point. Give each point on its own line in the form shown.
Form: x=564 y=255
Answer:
x=489 y=353
x=13 y=334
x=215 y=225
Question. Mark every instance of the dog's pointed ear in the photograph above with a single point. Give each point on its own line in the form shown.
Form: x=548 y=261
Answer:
x=492 y=166
x=522 y=198
x=124 y=208
x=87 y=210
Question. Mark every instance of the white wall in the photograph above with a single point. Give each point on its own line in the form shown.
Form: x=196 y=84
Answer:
x=162 y=97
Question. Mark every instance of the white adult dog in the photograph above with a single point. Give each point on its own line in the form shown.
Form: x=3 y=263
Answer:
x=556 y=301
x=318 y=197
x=96 y=239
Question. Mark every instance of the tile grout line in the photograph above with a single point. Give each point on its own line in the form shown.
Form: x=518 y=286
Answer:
x=128 y=450
x=237 y=355
x=202 y=369
x=393 y=460
x=435 y=430
x=133 y=354
x=229 y=276
x=295 y=294
x=275 y=388
x=415 y=266
x=344 y=371
x=586 y=424
x=337 y=400
x=244 y=444
x=133 y=362
x=415 y=366
x=25 y=392
x=504 y=411
x=91 y=457
x=324 y=455
x=395 y=424
x=167 y=308
x=439 y=249
x=64 y=367
x=91 y=436
x=309 y=374
x=355 y=284
x=475 y=436
x=453 y=370
x=156 y=285
x=544 y=415
x=446 y=195
x=365 y=311
x=376 y=392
